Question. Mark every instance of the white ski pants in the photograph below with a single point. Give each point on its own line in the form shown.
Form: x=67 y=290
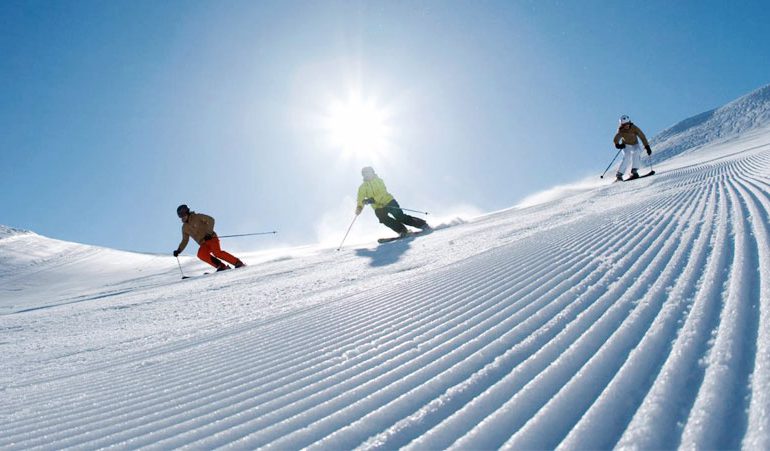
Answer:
x=631 y=155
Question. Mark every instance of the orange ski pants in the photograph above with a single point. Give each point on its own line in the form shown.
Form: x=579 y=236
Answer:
x=211 y=246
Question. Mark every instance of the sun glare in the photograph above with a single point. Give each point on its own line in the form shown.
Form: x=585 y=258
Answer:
x=357 y=127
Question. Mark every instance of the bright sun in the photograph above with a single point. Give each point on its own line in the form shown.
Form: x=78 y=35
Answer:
x=358 y=127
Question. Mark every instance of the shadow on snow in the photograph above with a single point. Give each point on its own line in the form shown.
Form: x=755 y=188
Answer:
x=386 y=253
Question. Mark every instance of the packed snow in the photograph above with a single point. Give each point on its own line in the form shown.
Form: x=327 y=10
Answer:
x=630 y=315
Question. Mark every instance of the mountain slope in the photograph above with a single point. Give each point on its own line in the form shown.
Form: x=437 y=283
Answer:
x=39 y=272
x=7 y=232
x=629 y=315
x=744 y=114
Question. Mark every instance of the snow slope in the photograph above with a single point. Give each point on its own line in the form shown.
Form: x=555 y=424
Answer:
x=39 y=272
x=742 y=115
x=623 y=315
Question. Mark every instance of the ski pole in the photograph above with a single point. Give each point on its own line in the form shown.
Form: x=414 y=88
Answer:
x=649 y=163
x=180 y=269
x=248 y=234
x=346 y=233
x=608 y=166
x=409 y=209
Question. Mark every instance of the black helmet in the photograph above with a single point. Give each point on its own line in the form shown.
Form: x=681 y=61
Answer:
x=182 y=210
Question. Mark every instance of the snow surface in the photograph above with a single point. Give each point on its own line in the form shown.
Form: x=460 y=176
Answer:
x=742 y=115
x=630 y=315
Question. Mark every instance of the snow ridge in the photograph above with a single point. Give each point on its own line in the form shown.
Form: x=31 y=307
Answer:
x=735 y=118
x=7 y=232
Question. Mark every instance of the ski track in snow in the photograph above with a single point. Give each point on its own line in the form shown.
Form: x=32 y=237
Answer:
x=633 y=316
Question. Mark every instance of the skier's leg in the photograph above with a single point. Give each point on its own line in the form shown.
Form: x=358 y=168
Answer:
x=394 y=209
x=214 y=245
x=636 y=161
x=399 y=215
x=414 y=222
x=396 y=226
x=404 y=218
x=625 y=161
x=204 y=253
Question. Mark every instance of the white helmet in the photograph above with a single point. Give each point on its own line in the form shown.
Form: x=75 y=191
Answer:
x=624 y=119
x=367 y=171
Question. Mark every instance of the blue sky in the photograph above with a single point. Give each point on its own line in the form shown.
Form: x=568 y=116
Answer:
x=115 y=112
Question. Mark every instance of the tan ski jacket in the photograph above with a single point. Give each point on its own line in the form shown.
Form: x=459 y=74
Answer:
x=629 y=135
x=197 y=226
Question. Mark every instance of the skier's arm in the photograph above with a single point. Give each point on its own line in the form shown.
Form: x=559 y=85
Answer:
x=640 y=134
x=361 y=197
x=183 y=244
x=617 y=139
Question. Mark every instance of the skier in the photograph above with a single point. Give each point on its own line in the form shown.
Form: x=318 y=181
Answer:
x=626 y=139
x=373 y=192
x=201 y=228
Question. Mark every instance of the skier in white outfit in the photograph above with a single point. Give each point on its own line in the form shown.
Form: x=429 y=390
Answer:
x=627 y=138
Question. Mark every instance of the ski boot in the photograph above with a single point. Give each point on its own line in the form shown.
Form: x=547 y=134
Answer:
x=618 y=176
x=239 y=264
x=634 y=174
x=217 y=263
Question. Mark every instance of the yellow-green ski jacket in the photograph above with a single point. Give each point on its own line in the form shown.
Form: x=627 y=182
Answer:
x=374 y=189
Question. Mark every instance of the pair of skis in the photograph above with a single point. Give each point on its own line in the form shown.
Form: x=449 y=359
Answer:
x=637 y=178
x=396 y=238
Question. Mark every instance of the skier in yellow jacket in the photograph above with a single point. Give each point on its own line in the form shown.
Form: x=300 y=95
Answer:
x=627 y=138
x=373 y=192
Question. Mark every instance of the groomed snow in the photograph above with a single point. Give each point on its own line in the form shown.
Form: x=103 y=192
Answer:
x=631 y=315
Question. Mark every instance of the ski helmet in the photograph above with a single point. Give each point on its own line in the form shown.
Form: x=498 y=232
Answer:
x=624 y=119
x=367 y=171
x=182 y=210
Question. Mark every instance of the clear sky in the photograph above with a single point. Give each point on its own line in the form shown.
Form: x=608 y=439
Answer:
x=262 y=113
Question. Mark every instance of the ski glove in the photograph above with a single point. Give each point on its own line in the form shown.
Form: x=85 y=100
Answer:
x=620 y=146
x=358 y=210
x=368 y=201
x=207 y=237
x=176 y=253
x=647 y=148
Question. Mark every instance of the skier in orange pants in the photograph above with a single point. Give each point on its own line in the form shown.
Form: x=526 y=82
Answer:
x=201 y=228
